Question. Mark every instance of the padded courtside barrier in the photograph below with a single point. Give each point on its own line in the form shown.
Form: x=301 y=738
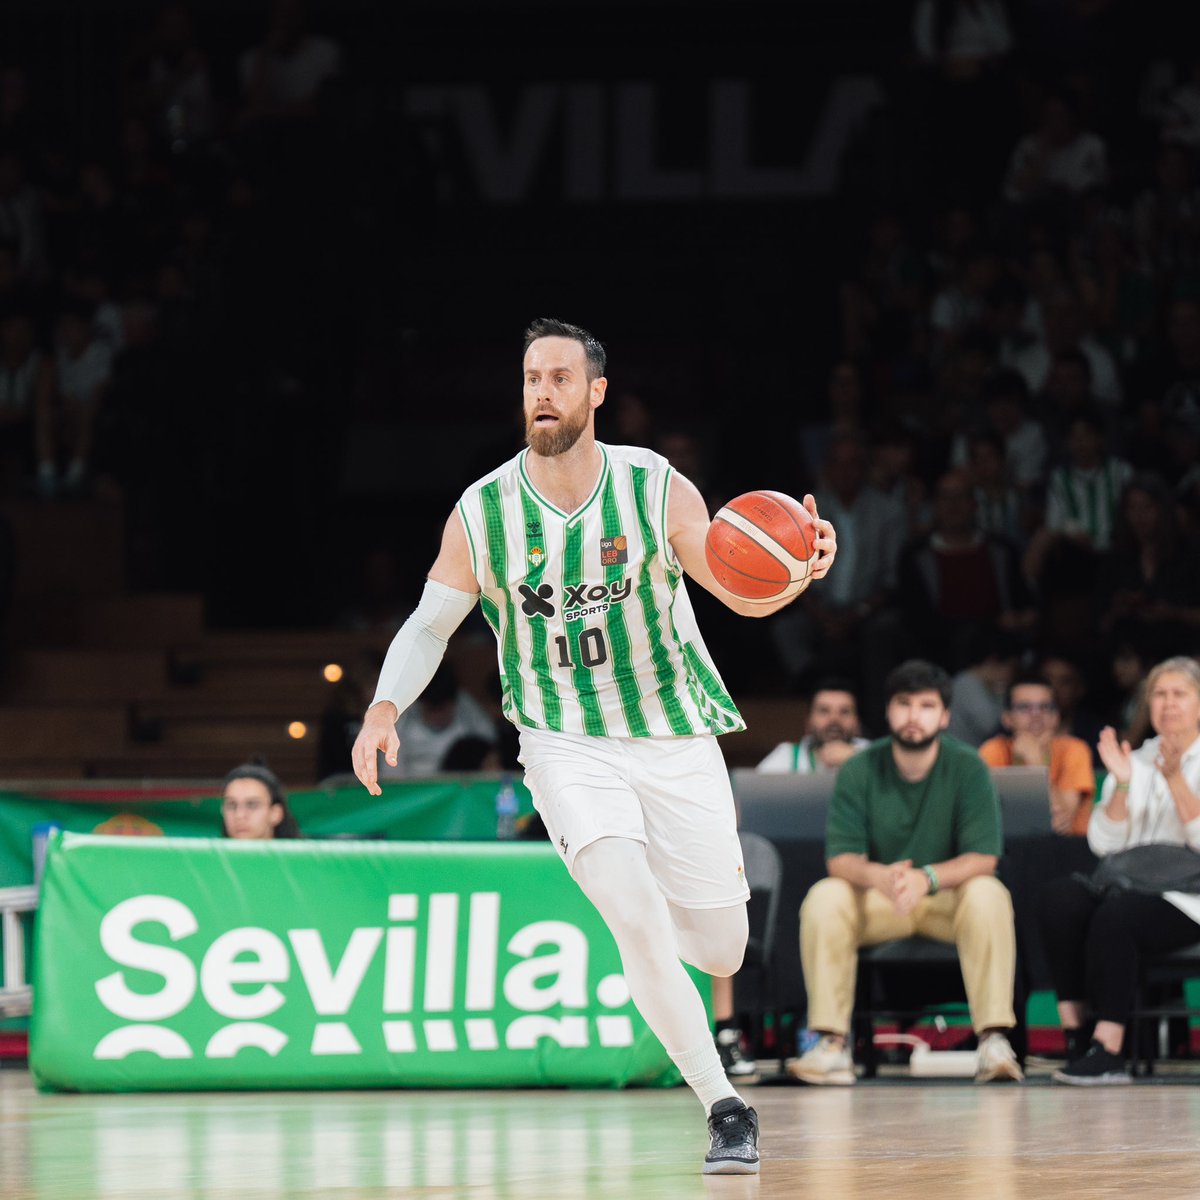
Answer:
x=200 y=963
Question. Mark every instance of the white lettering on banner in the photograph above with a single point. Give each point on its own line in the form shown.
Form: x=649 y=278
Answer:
x=334 y=1037
x=400 y=957
x=333 y=992
x=219 y=972
x=166 y=1043
x=441 y=949
x=552 y=971
x=624 y=161
x=525 y=1032
x=179 y=976
x=226 y=1042
x=482 y=947
x=568 y=968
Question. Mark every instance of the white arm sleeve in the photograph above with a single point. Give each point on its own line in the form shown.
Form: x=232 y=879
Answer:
x=417 y=648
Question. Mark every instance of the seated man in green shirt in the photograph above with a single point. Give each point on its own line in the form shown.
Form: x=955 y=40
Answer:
x=912 y=840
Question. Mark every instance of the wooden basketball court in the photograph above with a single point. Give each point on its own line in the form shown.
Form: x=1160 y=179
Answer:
x=890 y=1138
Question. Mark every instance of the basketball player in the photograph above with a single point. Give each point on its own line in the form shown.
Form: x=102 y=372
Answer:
x=576 y=551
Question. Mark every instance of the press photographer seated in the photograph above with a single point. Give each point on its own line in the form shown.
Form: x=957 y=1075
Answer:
x=1095 y=928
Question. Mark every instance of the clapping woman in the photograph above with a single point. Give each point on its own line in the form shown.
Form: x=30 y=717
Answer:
x=1094 y=930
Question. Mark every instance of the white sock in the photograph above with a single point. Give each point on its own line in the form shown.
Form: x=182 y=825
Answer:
x=702 y=1070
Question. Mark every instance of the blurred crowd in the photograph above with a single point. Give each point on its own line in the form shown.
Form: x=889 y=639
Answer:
x=1008 y=443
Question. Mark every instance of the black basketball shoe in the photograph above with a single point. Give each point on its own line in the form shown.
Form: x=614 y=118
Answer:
x=733 y=1138
x=1098 y=1067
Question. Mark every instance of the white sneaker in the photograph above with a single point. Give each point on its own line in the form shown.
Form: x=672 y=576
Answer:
x=996 y=1060
x=827 y=1063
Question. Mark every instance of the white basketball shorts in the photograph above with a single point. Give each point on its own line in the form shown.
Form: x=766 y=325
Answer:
x=670 y=794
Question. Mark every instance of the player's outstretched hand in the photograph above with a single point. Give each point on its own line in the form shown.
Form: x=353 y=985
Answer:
x=378 y=733
x=826 y=540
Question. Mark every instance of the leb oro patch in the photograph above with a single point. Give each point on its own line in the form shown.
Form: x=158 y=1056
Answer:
x=614 y=550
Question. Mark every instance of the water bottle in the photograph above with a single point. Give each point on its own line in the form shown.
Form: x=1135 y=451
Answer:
x=506 y=810
x=40 y=836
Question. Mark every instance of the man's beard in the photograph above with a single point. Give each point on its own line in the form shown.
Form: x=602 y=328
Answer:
x=557 y=438
x=832 y=733
x=914 y=744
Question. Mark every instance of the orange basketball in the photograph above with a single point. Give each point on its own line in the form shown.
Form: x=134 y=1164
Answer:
x=760 y=546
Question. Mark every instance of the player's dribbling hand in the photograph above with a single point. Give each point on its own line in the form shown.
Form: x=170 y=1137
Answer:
x=826 y=544
x=378 y=733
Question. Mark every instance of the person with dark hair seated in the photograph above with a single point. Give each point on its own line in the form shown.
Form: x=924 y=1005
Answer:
x=1031 y=739
x=1095 y=928
x=254 y=805
x=912 y=842
x=831 y=737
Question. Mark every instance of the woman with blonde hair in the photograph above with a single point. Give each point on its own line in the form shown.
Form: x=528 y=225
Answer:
x=1096 y=927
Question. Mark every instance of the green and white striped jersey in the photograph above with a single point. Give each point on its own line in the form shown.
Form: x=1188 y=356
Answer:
x=593 y=624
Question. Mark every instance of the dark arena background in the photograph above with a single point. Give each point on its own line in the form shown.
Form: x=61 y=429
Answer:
x=265 y=272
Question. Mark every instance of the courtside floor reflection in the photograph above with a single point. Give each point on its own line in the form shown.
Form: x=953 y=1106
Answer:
x=991 y=1143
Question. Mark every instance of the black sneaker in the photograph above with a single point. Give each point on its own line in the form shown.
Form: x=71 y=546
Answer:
x=1096 y=1068
x=1078 y=1041
x=733 y=1138
x=734 y=1063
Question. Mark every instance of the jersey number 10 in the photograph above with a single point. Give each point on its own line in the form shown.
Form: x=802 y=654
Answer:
x=592 y=650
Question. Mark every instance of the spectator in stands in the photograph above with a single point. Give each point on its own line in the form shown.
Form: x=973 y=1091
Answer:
x=830 y=738
x=1131 y=715
x=1000 y=509
x=1032 y=740
x=431 y=726
x=1070 y=687
x=1095 y=935
x=254 y=805
x=1006 y=402
x=26 y=396
x=850 y=629
x=21 y=218
x=960 y=581
x=178 y=84
x=846 y=403
x=83 y=367
x=912 y=845
x=962 y=303
x=1059 y=157
x=1081 y=501
x=283 y=76
x=1175 y=377
x=1166 y=218
x=1065 y=331
x=894 y=474
x=1149 y=586
x=977 y=691
x=1181 y=124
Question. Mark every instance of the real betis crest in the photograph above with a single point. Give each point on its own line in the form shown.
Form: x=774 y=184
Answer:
x=537 y=556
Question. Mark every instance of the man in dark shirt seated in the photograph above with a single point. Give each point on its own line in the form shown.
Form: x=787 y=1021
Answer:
x=912 y=841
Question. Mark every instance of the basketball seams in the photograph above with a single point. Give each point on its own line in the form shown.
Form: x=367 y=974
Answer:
x=796 y=567
x=806 y=529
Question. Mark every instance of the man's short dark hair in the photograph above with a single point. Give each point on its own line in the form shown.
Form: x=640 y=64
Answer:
x=917 y=675
x=593 y=351
x=1025 y=679
x=832 y=683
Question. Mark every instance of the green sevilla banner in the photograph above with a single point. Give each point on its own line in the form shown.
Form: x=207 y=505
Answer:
x=175 y=965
